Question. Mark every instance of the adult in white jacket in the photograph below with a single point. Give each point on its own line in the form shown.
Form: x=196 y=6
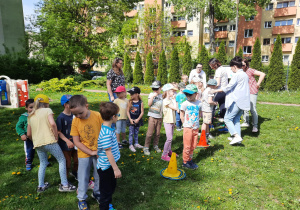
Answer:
x=198 y=72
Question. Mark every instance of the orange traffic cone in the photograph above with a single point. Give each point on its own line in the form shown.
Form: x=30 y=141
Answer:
x=202 y=141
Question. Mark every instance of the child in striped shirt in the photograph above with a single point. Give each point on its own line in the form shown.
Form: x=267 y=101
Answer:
x=108 y=154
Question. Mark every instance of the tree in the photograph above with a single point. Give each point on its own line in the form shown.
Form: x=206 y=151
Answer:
x=294 y=77
x=256 y=57
x=275 y=80
x=162 y=73
x=149 y=74
x=221 y=55
x=174 y=67
x=127 y=69
x=138 y=70
x=203 y=59
x=187 y=60
x=240 y=53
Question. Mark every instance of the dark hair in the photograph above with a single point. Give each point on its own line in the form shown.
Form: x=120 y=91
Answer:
x=108 y=110
x=199 y=64
x=155 y=89
x=246 y=61
x=236 y=61
x=214 y=62
x=77 y=100
x=187 y=94
x=29 y=101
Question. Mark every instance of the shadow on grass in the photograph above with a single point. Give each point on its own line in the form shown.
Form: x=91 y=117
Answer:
x=208 y=152
x=248 y=130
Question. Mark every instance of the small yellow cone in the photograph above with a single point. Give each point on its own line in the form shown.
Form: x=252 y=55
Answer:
x=172 y=168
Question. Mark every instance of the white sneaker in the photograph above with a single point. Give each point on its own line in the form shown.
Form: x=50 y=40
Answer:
x=230 y=138
x=221 y=120
x=138 y=146
x=131 y=147
x=254 y=130
x=210 y=137
x=244 y=125
x=236 y=140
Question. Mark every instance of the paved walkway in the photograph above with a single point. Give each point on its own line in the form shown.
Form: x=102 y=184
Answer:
x=260 y=102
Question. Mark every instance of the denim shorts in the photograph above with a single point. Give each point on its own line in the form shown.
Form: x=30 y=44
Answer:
x=121 y=126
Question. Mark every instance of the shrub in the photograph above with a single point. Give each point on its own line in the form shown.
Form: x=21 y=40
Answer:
x=240 y=53
x=149 y=74
x=294 y=77
x=187 y=60
x=221 y=55
x=127 y=69
x=174 y=67
x=256 y=58
x=63 y=85
x=162 y=73
x=203 y=59
x=138 y=70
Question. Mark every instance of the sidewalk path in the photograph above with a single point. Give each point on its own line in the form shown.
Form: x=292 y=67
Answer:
x=260 y=102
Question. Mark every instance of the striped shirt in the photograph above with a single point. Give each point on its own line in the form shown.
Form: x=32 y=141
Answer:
x=107 y=139
x=252 y=81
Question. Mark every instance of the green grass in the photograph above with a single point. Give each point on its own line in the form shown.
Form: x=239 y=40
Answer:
x=263 y=173
x=288 y=97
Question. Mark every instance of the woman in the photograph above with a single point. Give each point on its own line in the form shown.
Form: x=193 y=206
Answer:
x=254 y=86
x=222 y=80
x=115 y=78
x=237 y=99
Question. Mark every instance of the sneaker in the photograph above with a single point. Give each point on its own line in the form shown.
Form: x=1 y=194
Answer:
x=236 y=140
x=120 y=146
x=189 y=165
x=82 y=205
x=96 y=197
x=230 y=138
x=179 y=129
x=157 y=149
x=131 y=147
x=91 y=185
x=138 y=146
x=193 y=164
x=74 y=174
x=28 y=167
x=146 y=151
x=111 y=207
x=244 y=125
x=165 y=158
x=221 y=120
x=254 y=130
x=124 y=142
x=67 y=188
x=209 y=136
x=42 y=189
x=170 y=154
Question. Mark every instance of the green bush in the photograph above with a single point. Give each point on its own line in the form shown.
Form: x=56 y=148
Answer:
x=138 y=70
x=240 y=53
x=294 y=77
x=127 y=69
x=187 y=60
x=63 y=85
x=221 y=55
x=256 y=58
x=162 y=73
x=78 y=78
x=149 y=74
x=174 y=67
x=203 y=59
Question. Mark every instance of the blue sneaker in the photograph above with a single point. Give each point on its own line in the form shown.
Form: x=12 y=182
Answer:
x=120 y=146
x=189 y=165
x=96 y=197
x=223 y=130
x=195 y=166
x=82 y=205
x=111 y=207
x=28 y=167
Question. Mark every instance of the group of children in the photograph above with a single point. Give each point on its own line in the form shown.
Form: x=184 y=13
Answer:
x=88 y=138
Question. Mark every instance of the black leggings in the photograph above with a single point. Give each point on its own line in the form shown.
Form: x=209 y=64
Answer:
x=220 y=98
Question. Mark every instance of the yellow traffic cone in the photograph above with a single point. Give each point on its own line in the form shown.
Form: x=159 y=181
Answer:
x=172 y=172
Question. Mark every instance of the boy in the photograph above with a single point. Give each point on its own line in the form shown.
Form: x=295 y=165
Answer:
x=108 y=154
x=85 y=131
x=185 y=79
x=180 y=98
x=21 y=129
x=189 y=114
x=65 y=141
x=155 y=103
x=207 y=107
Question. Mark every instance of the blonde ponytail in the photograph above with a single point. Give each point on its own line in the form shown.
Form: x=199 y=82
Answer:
x=37 y=105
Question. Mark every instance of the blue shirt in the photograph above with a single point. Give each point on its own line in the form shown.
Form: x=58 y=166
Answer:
x=64 y=123
x=180 y=98
x=107 y=139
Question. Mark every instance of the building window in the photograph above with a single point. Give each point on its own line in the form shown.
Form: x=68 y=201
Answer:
x=134 y=8
x=232 y=27
x=134 y=36
x=178 y=33
x=152 y=10
x=265 y=58
x=285 y=58
x=220 y=28
x=206 y=30
x=152 y=26
x=152 y=42
x=217 y=44
x=190 y=33
x=266 y=42
x=168 y=4
x=285 y=4
x=141 y=6
x=191 y=19
x=284 y=40
x=175 y=18
x=206 y=44
x=250 y=18
x=247 y=49
x=269 y=7
x=231 y=44
x=248 y=33
x=284 y=22
x=141 y=35
x=268 y=24
x=298 y=22
x=296 y=40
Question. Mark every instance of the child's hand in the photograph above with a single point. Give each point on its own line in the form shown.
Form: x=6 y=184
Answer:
x=24 y=137
x=155 y=94
x=136 y=121
x=131 y=121
x=93 y=152
x=117 y=173
x=178 y=111
x=70 y=144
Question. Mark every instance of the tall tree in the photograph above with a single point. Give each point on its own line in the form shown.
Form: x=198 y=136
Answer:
x=127 y=69
x=240 y=53
x=203 y=59
x=174 y=75
x=221 y=55
x=162 y=73
x=256 y=57
x=275 y=80
x=187 y=60
x=294 y=77
x=149 y=74
x=138 y=70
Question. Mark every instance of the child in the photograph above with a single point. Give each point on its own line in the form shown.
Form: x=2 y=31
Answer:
x=198 y=82
x=185 y=79
x=108 y=154
x=155 y=103
x=65 y=141
x=135 y=112
x=43 y=132
x=85 y=131
x=21 y=129
x=169 y=108
x=189 y=114
x=207 y=107
x=122 y=102
x=180 y=98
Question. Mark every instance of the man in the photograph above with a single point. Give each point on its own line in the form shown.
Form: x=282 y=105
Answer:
x=198 y=72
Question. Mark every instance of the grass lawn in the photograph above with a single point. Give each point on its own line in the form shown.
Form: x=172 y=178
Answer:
x=263 y=173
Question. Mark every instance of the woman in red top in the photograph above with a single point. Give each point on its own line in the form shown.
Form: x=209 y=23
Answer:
x=254 y=86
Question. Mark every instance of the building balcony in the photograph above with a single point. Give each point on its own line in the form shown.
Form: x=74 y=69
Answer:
x=176 y=39
x=132 y=13
x=285 y=47
x=287 y=11
x=221 y=21
x=179 y=24
x=172 y=10
x=283 y=29
x=221 y=34
x=132 y=42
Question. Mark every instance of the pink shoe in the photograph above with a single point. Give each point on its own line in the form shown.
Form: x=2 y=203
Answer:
x=170 y=154
x=165 y=158
x=91 y=185
x=131 y=147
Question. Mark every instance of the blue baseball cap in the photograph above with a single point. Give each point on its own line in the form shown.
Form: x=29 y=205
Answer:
x=64 y=99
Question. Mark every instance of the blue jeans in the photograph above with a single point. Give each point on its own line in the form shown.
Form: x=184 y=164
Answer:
x=29 y=152
x=232 y=119
x=121 y=126
x=133 y=134
x=178 y=120
x=114 y=94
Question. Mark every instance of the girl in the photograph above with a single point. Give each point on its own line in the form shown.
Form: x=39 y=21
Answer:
x=198 y=82
x=43 y=131
x=169 y=108
x=135 y=111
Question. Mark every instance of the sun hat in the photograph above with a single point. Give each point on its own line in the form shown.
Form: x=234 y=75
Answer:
x=168 y=86
x=134 y=90
x=156 y=84
x=120 y=89
x=44 y=98
x=196 y=79
x=191 y=89
x=212 y=82
x=64 y=99
x=181 y=85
